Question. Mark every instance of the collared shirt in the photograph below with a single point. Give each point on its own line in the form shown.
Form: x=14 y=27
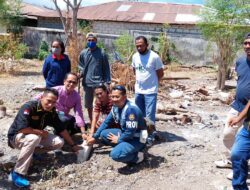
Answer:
x=130 y=119
x=32 y=115
x=67 y=101
x=60 y=57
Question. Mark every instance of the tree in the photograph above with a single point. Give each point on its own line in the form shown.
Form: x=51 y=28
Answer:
x=69 y=22
x=225 y=23
x=10 y=16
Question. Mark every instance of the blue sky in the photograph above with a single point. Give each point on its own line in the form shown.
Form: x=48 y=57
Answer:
x=50 y=4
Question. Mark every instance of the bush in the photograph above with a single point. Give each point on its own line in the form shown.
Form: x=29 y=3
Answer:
x=11 y=47
x=43 y=50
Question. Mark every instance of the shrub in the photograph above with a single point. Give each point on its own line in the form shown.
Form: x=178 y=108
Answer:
x=43 y=50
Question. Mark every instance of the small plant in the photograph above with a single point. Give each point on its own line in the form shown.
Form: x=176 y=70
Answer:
x=43 y=50
x=125 y=47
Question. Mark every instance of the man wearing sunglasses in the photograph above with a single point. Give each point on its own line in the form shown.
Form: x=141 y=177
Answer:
x=241 y=99
x=94 y=67
x=68 y=98
x=130 y=139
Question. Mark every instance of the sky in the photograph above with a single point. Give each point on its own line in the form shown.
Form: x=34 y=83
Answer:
x=49 y=3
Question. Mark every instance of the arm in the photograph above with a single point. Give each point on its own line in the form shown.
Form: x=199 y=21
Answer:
x=160 y=73
x=45 y=68
x=29 y=130
x=78 y=111
x=69 y=140
x=234 y=120
x=109 y=119
x=106 y=71
x=94 y=122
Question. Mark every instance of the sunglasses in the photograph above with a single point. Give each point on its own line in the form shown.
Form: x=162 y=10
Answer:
x=246 y=43
x=71 y=81
x=120 y=88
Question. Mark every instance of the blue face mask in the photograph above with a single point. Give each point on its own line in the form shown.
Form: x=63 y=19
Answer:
x=91 y=45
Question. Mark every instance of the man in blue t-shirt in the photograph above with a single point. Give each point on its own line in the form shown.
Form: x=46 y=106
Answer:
x=131 y=138
x=242 y=96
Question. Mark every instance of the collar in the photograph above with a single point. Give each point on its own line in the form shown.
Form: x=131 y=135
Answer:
x=60 y=58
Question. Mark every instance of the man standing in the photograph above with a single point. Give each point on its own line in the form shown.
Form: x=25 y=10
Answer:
x=241 y=99
x=26 y=133
x=94 y=66
x=130 y=139
x=148 y=69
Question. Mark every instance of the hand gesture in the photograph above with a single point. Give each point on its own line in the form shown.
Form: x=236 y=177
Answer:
x=113 y=138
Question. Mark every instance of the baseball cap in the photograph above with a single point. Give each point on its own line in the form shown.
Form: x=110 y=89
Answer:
x=91 y=35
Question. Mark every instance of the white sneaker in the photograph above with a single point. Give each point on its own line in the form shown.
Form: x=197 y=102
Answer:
x=230 y=176
x=140 y=157
x=223 y=164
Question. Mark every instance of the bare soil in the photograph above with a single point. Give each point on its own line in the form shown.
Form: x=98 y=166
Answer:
x=184 y=160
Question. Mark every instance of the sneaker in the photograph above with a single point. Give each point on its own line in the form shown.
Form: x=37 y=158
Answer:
x=230 y=176
x=18 y=180
x=223 y=164
x=140 y=157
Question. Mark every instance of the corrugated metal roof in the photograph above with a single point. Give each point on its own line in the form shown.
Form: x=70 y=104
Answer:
x=32 y=10
x=141 y=12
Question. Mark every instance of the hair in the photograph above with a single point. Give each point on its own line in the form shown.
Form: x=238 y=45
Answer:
x=143 y=38
x=70 y=73
x=247 y=36
x=60 y=43
x=121 y=88
x=102 y=86
x=50 y=90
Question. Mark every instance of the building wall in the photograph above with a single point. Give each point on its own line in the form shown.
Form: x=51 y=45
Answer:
x=54 y=23
x=190 y=47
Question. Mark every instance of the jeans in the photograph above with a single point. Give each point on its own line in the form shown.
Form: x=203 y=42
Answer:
x=239 y=157
x=126 y=152
x=147 y=104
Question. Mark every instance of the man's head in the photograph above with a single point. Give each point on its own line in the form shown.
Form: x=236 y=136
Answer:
x=246 y=45
x=119 y=96
x=141 y=44
x=48 y=99
x=91 y=40
x=70 y=81
x=101 y=92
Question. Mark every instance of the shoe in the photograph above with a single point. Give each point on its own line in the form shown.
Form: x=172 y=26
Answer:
x=140 y=157
x=18 y=180
x=223 y=164
x=230 y=176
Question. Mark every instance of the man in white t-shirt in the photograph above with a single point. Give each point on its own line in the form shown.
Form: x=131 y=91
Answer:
x=148 y=69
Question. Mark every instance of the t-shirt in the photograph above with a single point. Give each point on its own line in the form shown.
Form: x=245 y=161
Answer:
x=145 y=71
x=103 y=109
x=243 y=83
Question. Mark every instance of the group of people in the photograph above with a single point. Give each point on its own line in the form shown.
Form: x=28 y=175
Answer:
x=114 y=119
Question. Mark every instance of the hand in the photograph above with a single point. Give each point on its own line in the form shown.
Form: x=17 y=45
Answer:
x=233 y=121
x=44 y=134
x=113 y=138
x=90 y=140
x=84 y=136
x=76 y=148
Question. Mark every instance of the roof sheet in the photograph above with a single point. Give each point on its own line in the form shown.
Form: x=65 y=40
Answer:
x=141 y=12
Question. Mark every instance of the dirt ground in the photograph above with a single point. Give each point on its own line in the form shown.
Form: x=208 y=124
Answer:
x=184 y=160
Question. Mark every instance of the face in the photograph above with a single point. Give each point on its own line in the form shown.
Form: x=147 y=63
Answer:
x=70 y=83
x=101 y=94
x=246 y=46
x=48 y=101
x=118 y=99
x=141 y=46
x=56 y=46
x=91 y=39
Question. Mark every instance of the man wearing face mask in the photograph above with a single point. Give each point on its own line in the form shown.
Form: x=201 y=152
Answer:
x=148 y=69
x=56 y=65
x=94 y=67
